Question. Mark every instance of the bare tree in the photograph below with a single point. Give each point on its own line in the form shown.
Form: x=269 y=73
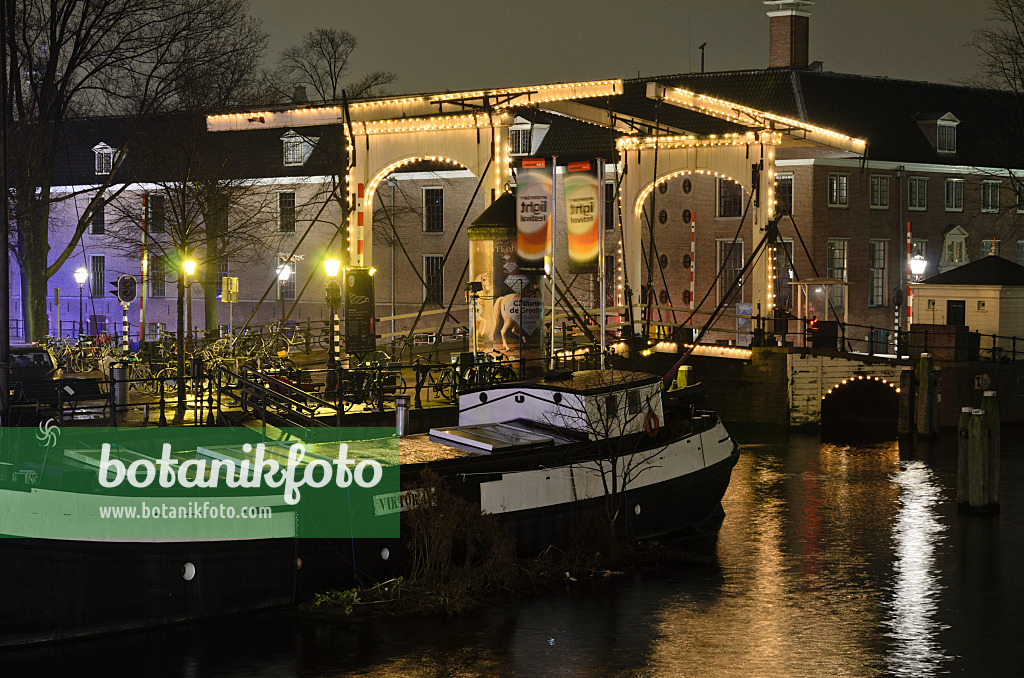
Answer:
x=321 y=63
x=72 y=58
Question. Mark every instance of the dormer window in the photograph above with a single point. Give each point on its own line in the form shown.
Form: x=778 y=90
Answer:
x=297 y=148
x=104 y=155
x=520 y=140
x=940 y=128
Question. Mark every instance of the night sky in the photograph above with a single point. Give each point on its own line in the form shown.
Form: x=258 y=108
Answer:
x=462 y=44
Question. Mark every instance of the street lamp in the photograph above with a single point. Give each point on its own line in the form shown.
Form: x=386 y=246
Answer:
x=189 y=266
x=917 y=266
x=284 y=271
x=332 y=267
x=81 y=275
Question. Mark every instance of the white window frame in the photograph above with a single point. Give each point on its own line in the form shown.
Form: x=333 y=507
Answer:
x=836 y=291
x=157 y=276
x=1020 y=252
x=990 y=246
x=287 y=290
x=917 y=194
x=878 y=257
x=779 y=179
x=97 y=282
x=878 y=197
x=296 y=148
x=955 y=242
x=990 y=196
x=104 y=159
x=150 y=222
x=98 y=217
x=725 y=281
x=838 y=190
x=954 y=195
x=520 y=140
x=940 y=127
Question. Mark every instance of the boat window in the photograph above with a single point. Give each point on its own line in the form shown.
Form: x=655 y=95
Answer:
x=633 y=402
x=611 y=406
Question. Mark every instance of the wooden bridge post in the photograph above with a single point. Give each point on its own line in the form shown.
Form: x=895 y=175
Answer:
x=927 y=397
x=980 y=454
x=990 y=404
x=906 y=413
x=962 y=460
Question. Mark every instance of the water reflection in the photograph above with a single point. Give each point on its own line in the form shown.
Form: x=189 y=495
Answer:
x=915 y=591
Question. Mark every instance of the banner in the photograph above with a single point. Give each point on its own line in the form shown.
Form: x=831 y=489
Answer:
x=533 y=220
x=582 y=216
x=360 y=337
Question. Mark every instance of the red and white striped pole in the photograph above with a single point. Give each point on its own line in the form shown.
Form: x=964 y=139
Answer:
x=910 y=292
x=693 y=261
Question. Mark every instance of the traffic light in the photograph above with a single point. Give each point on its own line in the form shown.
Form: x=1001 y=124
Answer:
x=127 y=289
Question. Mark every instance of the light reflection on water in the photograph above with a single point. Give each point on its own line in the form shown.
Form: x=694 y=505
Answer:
x=831 y=561
x=915 y=591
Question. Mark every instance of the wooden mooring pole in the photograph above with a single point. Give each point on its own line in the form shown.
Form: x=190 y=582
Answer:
x=982 y=473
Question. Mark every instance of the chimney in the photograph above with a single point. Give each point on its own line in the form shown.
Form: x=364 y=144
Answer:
x=787 y=33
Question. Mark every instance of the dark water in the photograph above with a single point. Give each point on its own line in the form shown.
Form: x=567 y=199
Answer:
x=831 y=561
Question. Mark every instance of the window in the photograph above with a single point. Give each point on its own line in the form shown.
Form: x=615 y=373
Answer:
x=98 y=225
x=609 y=206
x=876 y=272
x=1020 y=252
x=783 y=273
x=433 y=210
x=433 y=276
x=156 y=212
x=297 y=148
x=97 y=275
x=953 y=251
x=157 y=277
x=222 y=270
x=633 y=401
x=917 y=193
x=1020 y=197
x=838 y=185
x=520 y=141
x=989 y=248
x=730 y=262
x=609 y=279
x=954 y=195
x=784 y=194
x=286 y=212
x=286 y=289
x=990 y=196
x=837 y=250
x=104 y=157
x=730 y=198
x=918 y=247
x=945 y=138
x=880 y=192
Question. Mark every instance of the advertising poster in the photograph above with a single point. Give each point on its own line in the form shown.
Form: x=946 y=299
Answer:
x=533 y=214
x=359 y=309
x=582 y=216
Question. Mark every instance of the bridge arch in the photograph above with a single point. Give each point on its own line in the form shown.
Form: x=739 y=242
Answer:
x=860 y=407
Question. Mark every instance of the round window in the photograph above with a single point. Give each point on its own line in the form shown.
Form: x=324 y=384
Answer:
x=687 y=217
x=662 y=217
x=663 y=297
x=663 y=188
x=687 y=185
x=664 y=260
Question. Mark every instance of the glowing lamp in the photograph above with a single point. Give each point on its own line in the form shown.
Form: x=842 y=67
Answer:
x=332 y=267
x=189 y=266
x=81 y=275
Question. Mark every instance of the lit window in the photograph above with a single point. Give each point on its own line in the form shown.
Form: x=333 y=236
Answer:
x=880 y=192
x=838 y=186
x=954 y=251
x=876 y=272
x=990 y=196
x=917 y=193
x=730 y=198
x=286 y=289
x=286 y=212
x=989 y=248
x=954 y=195
x=433 y=210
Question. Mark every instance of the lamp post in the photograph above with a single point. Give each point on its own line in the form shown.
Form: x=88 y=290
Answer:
x=81 y=275
x=189 y=267
x=284 y=271
x=917 y=267
x=332 y=267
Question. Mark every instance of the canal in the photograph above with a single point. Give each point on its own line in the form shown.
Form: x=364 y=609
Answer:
x=831 y=561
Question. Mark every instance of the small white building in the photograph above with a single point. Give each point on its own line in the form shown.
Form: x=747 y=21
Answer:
x=986 y=296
